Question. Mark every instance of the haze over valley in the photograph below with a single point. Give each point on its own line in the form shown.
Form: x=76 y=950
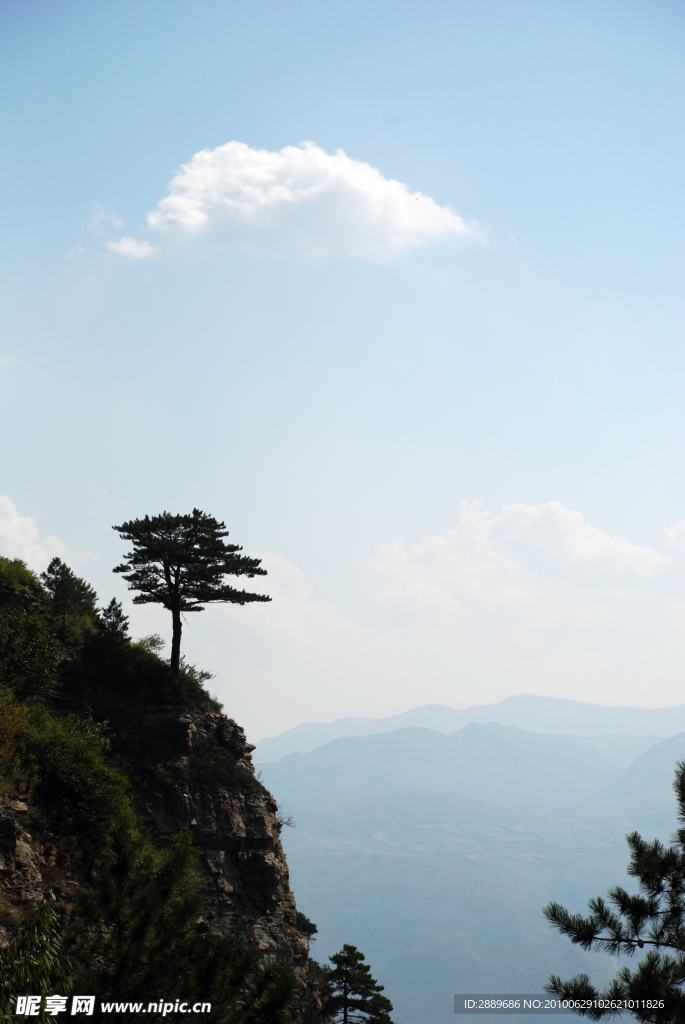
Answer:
x=440 y=848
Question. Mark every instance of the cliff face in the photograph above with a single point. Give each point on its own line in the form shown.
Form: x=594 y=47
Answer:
x=84 y=711
x=232 y=820
x=239 y=833
x=20 y=862
x=32 y=867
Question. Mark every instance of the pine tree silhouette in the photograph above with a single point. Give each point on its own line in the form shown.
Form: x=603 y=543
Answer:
x=654 y=919
x=356 y=996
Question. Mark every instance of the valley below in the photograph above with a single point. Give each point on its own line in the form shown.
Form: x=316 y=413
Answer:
x=435 y=852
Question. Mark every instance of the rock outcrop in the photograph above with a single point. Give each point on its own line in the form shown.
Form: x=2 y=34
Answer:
x=231 y=817
x=31 y=868
x=238 y=831
x=20 y=863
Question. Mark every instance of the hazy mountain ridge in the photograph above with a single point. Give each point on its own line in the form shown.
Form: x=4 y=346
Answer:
x=488 y=762
x=442 y=880
x=526 y=711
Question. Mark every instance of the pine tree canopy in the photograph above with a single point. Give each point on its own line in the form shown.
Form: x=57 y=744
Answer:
x=653 y=920
x=71 y=598
x=114 y=619
x=356 y=996
x=180 y=562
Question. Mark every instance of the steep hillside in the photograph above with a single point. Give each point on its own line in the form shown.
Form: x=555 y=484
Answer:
x=110 y=768
x=232 y=820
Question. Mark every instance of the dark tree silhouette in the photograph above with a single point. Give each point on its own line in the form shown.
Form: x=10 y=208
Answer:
x=180 y=562
x=113 y=618
x=71 y=598
x=356 y=996
x=653 y=920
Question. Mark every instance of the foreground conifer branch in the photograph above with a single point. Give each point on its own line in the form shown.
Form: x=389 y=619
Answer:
x=623 y=925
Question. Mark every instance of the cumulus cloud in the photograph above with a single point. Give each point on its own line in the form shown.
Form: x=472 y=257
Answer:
x=544 y=560
x=298 y=200
x=534 y=599
x=20 y=538
x=132 y=248
x=675 y=535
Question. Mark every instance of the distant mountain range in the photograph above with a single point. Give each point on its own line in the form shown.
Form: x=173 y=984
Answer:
x=434 y=853
x=526 y=711
x=478 y=762
x=490 y=763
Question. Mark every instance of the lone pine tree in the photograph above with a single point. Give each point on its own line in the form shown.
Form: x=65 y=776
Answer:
x=653 y=920
x=180 y=562
x=356 y=996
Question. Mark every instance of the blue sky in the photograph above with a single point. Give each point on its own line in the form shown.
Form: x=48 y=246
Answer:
x=326 y=399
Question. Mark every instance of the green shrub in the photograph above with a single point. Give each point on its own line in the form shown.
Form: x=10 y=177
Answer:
x=141 y=939
x=208 y=764
x=30 y=655
x=19 y=586
x=34 y=961
x=63 y=766
x=110 y=672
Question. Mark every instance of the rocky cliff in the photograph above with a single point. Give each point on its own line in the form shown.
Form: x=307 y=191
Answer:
x=95 y=732
x=34 y=865
x=238 y=831
x=233 y=820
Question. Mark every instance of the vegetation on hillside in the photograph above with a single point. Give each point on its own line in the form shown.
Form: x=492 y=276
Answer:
x=71 y=683
x=69 y=675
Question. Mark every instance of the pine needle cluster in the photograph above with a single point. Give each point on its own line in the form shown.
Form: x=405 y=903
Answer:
x=625 y=924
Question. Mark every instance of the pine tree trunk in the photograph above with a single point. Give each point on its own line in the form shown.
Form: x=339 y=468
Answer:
x=176 y=641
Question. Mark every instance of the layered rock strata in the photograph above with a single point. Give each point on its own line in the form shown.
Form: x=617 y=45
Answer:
x=236 y=827
x=239 y=833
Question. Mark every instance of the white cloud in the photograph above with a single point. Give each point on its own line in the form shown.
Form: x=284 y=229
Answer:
x=534 y=599
x=675 y=535
x=298 y=200
x=132 y=248
x=20 y=538
x=7 y=360
x=543 y=561
x=554 y=537
x=101 y=215
x=528 y=599
x=281 y=663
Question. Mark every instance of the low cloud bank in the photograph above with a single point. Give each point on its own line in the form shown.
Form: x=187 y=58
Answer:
x=527 y=599
x=531 y=598
x=543 y=562
x=20 y=538
x=299 y=200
